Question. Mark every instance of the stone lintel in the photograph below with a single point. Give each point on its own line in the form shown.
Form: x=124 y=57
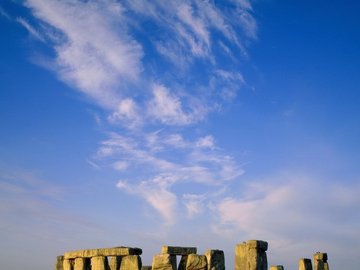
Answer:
x=320 y=256
x=178 y=250
x=258 y=244
x=115 y=251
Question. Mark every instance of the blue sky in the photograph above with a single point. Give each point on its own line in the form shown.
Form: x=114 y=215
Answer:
x=195 y=123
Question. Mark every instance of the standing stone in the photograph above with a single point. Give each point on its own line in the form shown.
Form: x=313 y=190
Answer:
x=320 y=261
x=59 y=263
x=164 y=262
x=276 y=267
x=81 y=264
x=215 y=259
x=114 y=262
x=131 y=262
x=196 y=262
x=99 y=263
x=146 y=267
x=68 y=264
x=251 y=255
x=305 y=264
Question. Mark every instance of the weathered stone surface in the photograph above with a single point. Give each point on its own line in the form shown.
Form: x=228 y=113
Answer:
x=305 y=264
x=81 y=264
x=116 y=251
x=257 y=244
x=326 y=266
x=164 y=262
x=59 y=263
x=215 y=259
x=320 y=256
x=114 y=262
x=318 y=265
x=146 y=267
x=178 y=250
x=68 y=264
x=196 y=262
x=251 y=255
x=276 y=267
x=99 y=263
x=131 y=262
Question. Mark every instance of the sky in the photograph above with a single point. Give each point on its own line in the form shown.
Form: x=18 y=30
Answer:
x=191 y=123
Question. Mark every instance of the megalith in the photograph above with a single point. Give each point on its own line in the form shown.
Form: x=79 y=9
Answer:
x=196 y=262
x=276 y=267
x=215 y=259
x=305 y=264
x=320 y=261
x=251 y=255
x=164 y=262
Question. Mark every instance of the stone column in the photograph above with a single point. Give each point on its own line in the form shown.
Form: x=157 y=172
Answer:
x=182 y=263
x=131 y=262
x=215 y=259
x=164 y=262
x=196 y=262
x=81 y=264
x=99 y=263
x=276 y=267
x=68 y=264
x=251 y=255
x=59 y=263
x=114 y=262
x=305 y=264
x=320 y=261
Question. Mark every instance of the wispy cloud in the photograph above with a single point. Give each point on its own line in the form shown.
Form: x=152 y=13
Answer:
x=30 y=28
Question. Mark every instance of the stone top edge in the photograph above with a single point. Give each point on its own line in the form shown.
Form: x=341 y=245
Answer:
x=173 y=250
x=258 y=244
x=115 y=251
x=320 y=256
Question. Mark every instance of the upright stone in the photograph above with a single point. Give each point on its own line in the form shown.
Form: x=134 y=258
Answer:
x=59 y=263
x=68 y=264
x=99 y=263
x=251 y=255
x=131 y=262
x=114 y=262
x=320 y=261
x=196 y=262
x=81 y=264
x=178 y=250
x=305 y=264
x=146 y=267
x=215 y=259
x=164 y=262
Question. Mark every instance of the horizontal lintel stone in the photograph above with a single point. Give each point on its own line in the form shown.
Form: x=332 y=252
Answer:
x=178 y=250
x=115 y=251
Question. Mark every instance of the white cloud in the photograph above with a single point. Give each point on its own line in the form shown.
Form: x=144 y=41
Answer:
x=206 y=142
x=30 y=29
x=95 y=54
x=120 y=165
x=194 y=204
x=127 y=113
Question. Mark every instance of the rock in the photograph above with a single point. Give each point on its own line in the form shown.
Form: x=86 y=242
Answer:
x=182 y=263
x=178 y=250
x=81 y=264
x=116 y=251
x=99 y=263
x=215 y=259
x=59 y=263
x=146 y=267
x=164 y=262
x=196 y=262
x=276 y=267
x=257 y=244
x=68 y=264
x=251 y=255
x=114 y=262
x=131 y=262
x=305 y=264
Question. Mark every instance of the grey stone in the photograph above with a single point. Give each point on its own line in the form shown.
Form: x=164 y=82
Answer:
x=59 y=263
x=215 y=259
x=251 y=255
x=116 y=251
x=305 y=264
x=164 y=262
x=196 y=262
x=178 y=250
x=131 y=262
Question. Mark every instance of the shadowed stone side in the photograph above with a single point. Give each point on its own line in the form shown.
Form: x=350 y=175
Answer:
x=146 y=267
x=251 y=255
x=178 y=250
x=305 y=264
x=196 y=262
x=276 y=267
x=182 y=263
x=131 y=262
x=114 y=262
x=116 y=251
x=320 y=261
x=68 y=264
x=80 y=264
x=215 y=259
x=59 y=263
x=164 y=262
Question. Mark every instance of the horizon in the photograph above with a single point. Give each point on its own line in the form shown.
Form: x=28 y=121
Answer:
x=182 y=123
